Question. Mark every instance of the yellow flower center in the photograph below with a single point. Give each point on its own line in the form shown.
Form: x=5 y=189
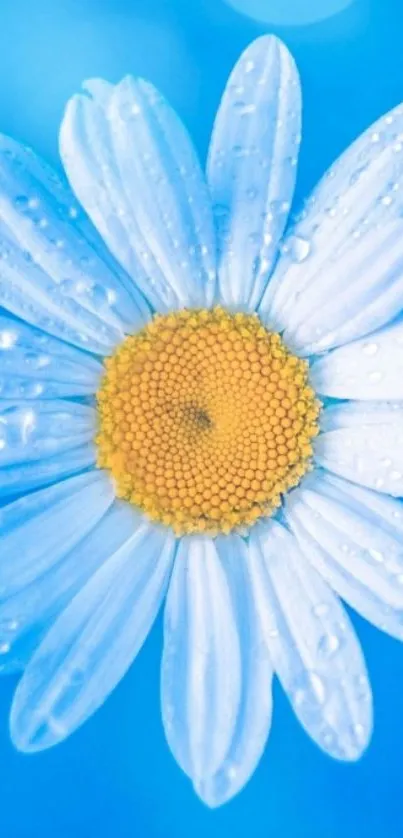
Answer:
x=206 y=419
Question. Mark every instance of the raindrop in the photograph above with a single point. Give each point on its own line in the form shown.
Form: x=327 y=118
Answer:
x=8 y=625
x=21 y=201
x=308 y=683
x=321 y=609
x=376 y=555
x=37 y=361
x=77 y=675
x=299 y=248
x=240 y=151
x=8 y=339
x=328 y=645
x=279 y=207
x=359 y=732
x=221 y=211
x=370 y=348
x=244 y=109
x=375 y=376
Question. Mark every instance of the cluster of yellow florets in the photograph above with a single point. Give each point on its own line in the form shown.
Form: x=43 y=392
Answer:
x=206 y=420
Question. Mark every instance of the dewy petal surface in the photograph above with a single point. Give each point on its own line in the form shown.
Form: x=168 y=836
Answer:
x=252 y=167
x=26 y=613
x=201 y=665
x=93 y=642
x=311 y=643
x=341 y=273
x=48 y=523
x=363 y=442
x=55 y=271
x=252 y=723
x=34 y=365
x=369 y=368
x=42 y=441
x=133 y=167
x=354 y=538
x=34 y=430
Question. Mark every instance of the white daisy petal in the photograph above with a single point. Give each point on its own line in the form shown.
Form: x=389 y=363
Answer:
x=132 y=165
x=252 y=723
x=363 y=442
x=354 y=538
x=34 y=365
x=48 y=523
x=43 y=441
x=312 y=645
x=22 y=477
x=34 y=430
x=201 y=666
x=93 y=642
x=369 y=368
x=252 y=167
x=341 y=276
x=26 y=613
x=52 y=273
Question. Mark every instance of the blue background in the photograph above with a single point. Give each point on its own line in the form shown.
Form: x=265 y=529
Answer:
x=115 y=777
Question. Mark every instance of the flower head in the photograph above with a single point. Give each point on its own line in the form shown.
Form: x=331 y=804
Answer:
x=205 y=408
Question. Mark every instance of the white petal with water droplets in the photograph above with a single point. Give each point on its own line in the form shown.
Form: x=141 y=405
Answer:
x=311 y=643
x=93 y=642
x=354 y=538
x=42 y=441
x=350 y=281
x=55 y=271
x=369 y=368
x=201 y=666
x=26 y=613
x=34 y=430
x=133 y=167
x=363 y=442
x=252 y=723
x=34 y=365
x=48 y=523
x=252 y=167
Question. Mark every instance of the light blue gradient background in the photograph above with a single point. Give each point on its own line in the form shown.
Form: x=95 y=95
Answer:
x=115 y=778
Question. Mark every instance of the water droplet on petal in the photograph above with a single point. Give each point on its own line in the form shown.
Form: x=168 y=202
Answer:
x=299 y=248
x=328 y=645
x=321 y=609
x=375 y=376
x=370 y=348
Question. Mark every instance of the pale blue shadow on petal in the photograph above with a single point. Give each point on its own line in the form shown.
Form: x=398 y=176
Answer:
x=289 y=12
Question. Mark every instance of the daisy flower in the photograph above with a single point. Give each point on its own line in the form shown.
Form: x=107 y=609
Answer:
x=198 y=408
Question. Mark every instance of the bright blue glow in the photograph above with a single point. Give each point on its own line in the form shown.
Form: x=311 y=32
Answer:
x=289 y=12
